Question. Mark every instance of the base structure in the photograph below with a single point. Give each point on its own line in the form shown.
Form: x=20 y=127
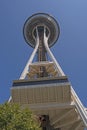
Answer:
x=53 y=98
x=43 y=86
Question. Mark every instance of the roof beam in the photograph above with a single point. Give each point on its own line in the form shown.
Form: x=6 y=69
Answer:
x=60 y=116
x=76 y=125
x=66 y=123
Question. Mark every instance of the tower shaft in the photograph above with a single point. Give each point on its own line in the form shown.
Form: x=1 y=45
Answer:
x=41 y=52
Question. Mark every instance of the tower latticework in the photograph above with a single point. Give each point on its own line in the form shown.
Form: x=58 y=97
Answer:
x=43 y=86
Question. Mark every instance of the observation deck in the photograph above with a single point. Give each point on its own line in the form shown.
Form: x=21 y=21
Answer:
x=40 y=21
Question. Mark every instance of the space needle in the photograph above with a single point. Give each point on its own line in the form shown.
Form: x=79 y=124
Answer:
x=43 y=86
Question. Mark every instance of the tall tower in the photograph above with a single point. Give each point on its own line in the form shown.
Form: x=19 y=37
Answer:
x=43 y=86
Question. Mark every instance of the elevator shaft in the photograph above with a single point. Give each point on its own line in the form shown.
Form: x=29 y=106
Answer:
x=41 y=52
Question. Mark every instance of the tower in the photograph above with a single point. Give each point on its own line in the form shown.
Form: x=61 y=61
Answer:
x=43 y=86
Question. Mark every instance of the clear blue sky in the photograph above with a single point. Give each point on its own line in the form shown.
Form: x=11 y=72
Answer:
x=70 y=50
